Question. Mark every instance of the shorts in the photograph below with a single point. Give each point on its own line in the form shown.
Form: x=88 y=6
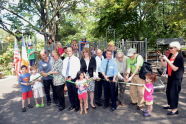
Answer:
x=82 y=96
x=27 y=95
x=38 y=93
x=149 y=102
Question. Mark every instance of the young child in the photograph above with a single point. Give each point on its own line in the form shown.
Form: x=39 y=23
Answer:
x=148 y=94
x=26 y=89
x=37 y=86
x=82 y=86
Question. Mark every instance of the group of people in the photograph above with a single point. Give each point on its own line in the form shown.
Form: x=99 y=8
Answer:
x=93 y=77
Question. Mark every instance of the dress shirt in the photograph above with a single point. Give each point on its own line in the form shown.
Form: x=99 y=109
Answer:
x=122 y=66
x=98 y=63
x=74 y=66
x=112 y=69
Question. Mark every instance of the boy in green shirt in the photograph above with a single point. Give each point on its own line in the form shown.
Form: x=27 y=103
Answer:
x=31 y=55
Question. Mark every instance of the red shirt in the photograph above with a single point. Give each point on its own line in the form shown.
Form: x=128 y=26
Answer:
x=60 y=51
x=169 y=68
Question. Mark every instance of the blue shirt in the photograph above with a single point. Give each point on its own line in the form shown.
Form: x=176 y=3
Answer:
x=45 y=67
x=24 y=78
x=112 y=69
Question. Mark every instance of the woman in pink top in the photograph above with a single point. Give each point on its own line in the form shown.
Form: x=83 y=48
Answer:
x=148 y=94
x=59 y=48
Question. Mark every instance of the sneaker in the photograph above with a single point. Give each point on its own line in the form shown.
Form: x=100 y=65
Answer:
x=42 y=105
x=24 y=109
x=146 y=114
x=30 y=106
x=145 y=111
x=37 y=105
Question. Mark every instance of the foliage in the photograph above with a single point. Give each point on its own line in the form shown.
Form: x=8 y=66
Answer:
x=6 y=60
x=136 y=20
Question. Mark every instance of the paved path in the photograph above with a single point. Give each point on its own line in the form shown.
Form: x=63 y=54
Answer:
x=10 y=111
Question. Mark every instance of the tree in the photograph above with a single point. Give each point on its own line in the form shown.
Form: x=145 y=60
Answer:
x=42 y=16
x=137 y=20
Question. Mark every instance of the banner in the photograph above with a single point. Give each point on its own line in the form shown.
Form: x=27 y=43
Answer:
x=24 y=59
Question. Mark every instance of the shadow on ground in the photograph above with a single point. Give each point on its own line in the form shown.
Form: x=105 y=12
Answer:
x=10 y=113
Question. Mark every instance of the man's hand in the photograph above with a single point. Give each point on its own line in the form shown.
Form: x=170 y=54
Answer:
x=106 y=78
x=120 y=78
x=68 y=78
x=114 y=80
x=129 y=79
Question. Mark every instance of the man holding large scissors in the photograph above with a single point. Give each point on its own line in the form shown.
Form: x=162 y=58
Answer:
x=109 y=71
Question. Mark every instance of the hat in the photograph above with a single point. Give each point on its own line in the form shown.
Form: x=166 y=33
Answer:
x=131 y=52
x=175 y=44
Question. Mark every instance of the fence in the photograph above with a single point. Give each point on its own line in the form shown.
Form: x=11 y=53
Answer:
x=140 y=46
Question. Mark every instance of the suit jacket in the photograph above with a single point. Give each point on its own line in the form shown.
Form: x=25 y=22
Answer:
x=91 y=67
x=179 y=62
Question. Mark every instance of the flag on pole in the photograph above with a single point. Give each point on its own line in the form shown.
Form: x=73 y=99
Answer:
x=24 y=59
x=17 y=58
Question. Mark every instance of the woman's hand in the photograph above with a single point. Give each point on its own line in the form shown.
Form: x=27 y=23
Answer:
x=164 y=58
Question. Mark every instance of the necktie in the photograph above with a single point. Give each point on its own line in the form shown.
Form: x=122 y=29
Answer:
x=106 y=67
x=68 y=67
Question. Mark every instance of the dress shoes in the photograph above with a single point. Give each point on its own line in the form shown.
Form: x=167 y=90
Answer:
x=112 y=109
x=173 y=113
x=70 y=108
x=166 y=107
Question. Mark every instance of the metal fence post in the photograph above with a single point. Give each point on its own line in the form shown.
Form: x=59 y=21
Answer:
x=146 y=51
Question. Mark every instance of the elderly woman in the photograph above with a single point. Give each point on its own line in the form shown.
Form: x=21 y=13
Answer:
x=88 y=66
x=58 y=79
x=175 y=70
x=121 y=61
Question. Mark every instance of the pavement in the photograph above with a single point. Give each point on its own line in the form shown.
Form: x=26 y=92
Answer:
x=10 y=110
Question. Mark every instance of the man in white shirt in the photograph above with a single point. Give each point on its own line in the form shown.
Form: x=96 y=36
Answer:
x=99 y=83
x=71 y=65
x=121 y=61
